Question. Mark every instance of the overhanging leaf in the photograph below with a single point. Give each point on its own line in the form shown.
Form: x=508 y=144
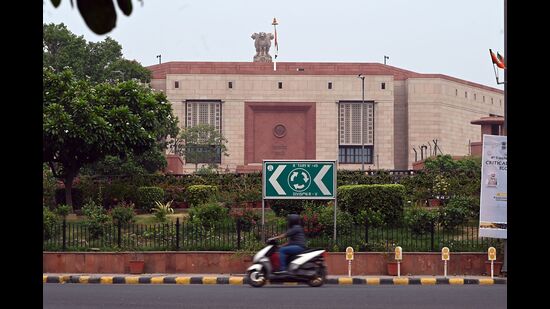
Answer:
x=125 y=6
x=99 y=15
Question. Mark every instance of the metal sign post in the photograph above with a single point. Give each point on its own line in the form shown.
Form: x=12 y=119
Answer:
x=398 y=258
x=445 y=256
x=349 y=257
x=299 y=180
x=492 y=253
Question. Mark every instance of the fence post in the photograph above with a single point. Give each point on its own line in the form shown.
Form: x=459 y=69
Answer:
x=366 y=232
x=238 y=233
x=119 y=230
x=177 y=234
x=64 y=234
x=432 y=231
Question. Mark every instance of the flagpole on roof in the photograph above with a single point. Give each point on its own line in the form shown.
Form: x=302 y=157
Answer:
x=275 y=23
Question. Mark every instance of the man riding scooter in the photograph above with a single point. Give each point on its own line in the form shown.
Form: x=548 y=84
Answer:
x=296 y=241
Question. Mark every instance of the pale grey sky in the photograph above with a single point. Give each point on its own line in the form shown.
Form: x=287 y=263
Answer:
x=426 y=36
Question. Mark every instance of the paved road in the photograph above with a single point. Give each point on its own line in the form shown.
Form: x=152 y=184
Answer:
x=229 y=296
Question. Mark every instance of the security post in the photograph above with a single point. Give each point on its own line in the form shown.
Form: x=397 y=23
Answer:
x=349 y=258
x=445 y=256
x=398 y=258
x=492 y=252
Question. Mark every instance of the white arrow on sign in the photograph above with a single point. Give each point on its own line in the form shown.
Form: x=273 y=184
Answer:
x=319 y=179
x=306 y=179
x=273 y=179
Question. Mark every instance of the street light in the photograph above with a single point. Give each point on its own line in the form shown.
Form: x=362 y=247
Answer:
x=362 y=77
x=160 y=58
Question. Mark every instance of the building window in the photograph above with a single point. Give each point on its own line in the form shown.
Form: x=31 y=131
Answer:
x=352 y=154
x=475 y=96
x=349 y=130
x=329 y=85
x=176 y=84
x=456 y=92
x=483 y=99
x=280 y=85
x=230 y=85
x=492 y=101
x=466 y=94
x=500 y=101
x=495 y=129
x=383 y=85
x=204 y=112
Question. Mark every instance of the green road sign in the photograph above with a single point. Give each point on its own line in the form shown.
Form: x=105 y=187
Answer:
x=299 y=179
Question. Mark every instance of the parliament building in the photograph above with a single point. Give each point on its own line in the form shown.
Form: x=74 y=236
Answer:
x=321 y=111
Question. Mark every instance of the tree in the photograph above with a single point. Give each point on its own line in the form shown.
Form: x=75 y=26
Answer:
x=99 y=61
x=85 y=122
x=100 y=15
x=202 y=143
x=129 y=69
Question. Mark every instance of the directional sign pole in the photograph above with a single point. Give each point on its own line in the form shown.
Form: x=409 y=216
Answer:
x=263 y=220
x=335 y=207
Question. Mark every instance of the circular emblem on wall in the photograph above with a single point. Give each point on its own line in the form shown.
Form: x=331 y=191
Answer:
x=279 y=130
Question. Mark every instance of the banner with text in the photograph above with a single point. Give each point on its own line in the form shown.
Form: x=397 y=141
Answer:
x=493 y=203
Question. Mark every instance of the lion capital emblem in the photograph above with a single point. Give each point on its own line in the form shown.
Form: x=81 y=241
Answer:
x=262 y=42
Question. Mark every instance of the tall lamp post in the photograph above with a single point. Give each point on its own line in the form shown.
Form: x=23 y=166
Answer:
x=362 y=77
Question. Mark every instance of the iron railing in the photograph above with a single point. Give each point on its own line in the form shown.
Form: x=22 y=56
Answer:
x=230 y=236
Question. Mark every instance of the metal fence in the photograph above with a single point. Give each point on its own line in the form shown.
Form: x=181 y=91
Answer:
x=230 y=236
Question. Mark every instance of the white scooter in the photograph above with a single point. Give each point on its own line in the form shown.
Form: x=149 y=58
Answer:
x=307 y=266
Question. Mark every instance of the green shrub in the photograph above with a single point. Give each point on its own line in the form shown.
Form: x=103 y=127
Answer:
x=62 y=210
x=373 y=217
x=96 y=219
x=282 y=208
x=147 y=196
x=49 y=184
x=201 y=194
x=311 y=219
x=49 y=223
x=453 y=215
x=344 y=220
x=123 y=213
x=470 y=203
x=387 y=200
x=76 y=194
x=161 y=210
x=114 y=193
x=208 y=215
x=420 y=220
x=247 y=215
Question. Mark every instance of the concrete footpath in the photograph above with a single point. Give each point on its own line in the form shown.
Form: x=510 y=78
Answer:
x=239 y=279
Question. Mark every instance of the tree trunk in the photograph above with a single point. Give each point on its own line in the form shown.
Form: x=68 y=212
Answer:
x=68 y=181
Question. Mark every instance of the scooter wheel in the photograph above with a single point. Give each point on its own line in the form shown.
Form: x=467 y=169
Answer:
x=256 y=278
x=319 y=278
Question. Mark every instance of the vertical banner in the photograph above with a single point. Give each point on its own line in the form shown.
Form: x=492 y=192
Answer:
x=493 y=204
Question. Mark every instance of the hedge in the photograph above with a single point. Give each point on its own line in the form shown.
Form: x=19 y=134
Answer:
x=201 y=194
x=147 y=196
x=384 y=199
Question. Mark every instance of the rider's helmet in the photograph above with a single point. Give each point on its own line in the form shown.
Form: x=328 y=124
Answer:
x=293 y=219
